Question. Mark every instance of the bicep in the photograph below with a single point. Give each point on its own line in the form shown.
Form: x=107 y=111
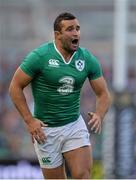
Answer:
x=20 y=79
x=99 y=86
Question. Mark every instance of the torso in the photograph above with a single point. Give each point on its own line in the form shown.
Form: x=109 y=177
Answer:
x=56 y=88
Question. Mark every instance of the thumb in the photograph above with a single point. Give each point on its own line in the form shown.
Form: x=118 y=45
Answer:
x=90 y=114
x=43 y=125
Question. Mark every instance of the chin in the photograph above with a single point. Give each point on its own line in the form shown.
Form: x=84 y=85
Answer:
x=75 y=49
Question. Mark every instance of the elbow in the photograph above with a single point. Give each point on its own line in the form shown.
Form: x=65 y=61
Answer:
x=109 y=99
x=10 y=90
x=14 y=89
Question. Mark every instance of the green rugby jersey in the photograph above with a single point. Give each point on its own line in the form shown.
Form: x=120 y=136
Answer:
x=56 y=85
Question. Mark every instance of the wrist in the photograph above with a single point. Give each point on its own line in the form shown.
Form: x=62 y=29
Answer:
x=100 y=115
x=28 y=119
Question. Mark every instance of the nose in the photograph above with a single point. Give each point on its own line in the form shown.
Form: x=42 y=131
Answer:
x=76 y=32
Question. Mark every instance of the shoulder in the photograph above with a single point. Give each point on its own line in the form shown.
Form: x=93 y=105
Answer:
x=93 y=66
x=43 y=49
x=87 y=55
x=85 y=52
x=34 y=60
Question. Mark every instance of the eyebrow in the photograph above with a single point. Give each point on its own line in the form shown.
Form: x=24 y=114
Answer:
x=73 y=26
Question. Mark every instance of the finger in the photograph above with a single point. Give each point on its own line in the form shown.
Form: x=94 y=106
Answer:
x=95 y=125
x=43 y=124
x=39 y=139
x=92 y=120
x=35 y=136
x=32 y=139
x=41 y=135
x=98 y=129
x=90 y=114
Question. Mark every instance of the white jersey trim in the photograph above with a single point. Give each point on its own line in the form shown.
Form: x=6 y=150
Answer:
x=62 y=55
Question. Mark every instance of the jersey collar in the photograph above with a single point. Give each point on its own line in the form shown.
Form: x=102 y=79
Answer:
x=62 y=55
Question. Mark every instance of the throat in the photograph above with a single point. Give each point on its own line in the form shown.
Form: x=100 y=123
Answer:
x=66 y=56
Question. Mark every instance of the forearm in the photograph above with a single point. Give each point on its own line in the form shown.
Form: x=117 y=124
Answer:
x=20 y=103
x=103 y=103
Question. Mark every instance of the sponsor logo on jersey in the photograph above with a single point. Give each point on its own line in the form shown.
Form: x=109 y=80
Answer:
x=80 y=64
x=53 y=63
x=67 y=85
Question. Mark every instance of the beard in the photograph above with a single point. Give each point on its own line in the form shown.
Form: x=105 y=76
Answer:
x=70 y=47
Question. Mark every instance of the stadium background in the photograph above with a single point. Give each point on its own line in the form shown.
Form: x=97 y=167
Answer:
x=108 y=29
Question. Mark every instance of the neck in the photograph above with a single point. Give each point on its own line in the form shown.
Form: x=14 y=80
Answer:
x=66 y=54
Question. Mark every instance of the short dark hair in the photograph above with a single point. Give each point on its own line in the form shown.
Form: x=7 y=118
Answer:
x=61 y=17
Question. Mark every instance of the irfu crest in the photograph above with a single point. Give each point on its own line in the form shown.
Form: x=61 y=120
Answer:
x=80 y=64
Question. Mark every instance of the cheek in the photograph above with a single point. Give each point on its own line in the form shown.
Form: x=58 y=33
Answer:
x=66 y=36
x=65 y=40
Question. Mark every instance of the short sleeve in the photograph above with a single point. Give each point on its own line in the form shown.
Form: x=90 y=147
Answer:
x=31 y=64
x=94 y=68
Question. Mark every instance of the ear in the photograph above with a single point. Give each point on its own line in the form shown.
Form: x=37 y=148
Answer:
x=56 y=34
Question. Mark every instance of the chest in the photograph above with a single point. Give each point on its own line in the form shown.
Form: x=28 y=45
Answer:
x=56 y=72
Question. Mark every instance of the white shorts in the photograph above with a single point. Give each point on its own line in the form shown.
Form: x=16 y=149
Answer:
x=59 y=140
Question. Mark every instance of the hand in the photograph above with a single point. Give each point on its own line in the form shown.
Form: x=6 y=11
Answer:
x=36 y=131
x=95 y=122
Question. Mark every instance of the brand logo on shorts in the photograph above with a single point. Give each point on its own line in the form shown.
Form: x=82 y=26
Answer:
x=46 y=160
x=53 y=63
x=80 y=64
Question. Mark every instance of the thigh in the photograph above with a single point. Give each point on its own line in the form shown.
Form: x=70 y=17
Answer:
x=76 y=135
x=79 y=161
x=54 y=173
x=49 y=153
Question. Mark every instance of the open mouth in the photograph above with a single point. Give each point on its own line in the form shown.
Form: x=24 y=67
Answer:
x=75 y=41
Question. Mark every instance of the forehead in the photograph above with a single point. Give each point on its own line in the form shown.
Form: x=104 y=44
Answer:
x=67 y=23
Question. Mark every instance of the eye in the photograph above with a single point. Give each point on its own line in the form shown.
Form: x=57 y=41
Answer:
x=70 y=28
x=78 y=28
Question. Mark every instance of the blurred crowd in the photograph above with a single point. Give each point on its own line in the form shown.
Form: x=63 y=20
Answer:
x=13 y=134
x=25 y=25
